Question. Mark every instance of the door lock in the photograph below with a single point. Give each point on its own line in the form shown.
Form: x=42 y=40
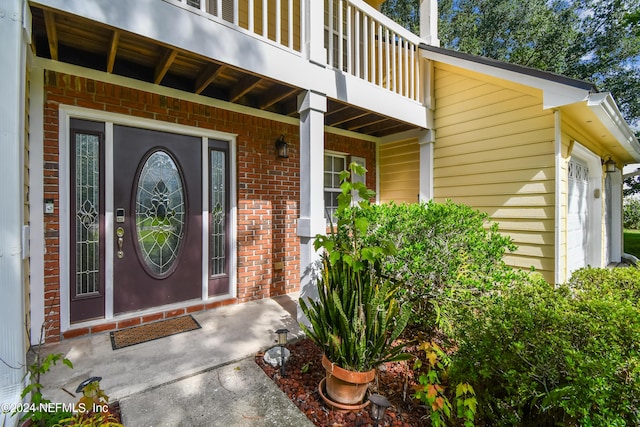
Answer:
x=120 y=234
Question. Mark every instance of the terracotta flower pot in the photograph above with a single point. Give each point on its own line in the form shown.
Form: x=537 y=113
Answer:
x=344 y=386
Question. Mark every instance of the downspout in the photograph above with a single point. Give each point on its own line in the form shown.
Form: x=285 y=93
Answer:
x=12 y=106
x=558 y=277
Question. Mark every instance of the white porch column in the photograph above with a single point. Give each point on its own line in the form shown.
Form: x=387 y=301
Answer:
x=617 y=232
x=314 y=31
x=312 y=107
x=429 y=21
x=426 y=141
x=12 y=131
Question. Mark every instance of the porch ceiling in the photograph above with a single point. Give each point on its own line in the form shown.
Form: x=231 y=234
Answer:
x=77 y=40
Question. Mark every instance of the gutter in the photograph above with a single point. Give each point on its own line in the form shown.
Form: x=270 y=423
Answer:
x=605 y=108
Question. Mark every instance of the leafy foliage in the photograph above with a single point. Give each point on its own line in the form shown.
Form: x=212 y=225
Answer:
x=539 y=355
x=40 y=366
x=92 y=409
x=357 y=316
x=631 y=213
x=434 y=395
x=440 y=246
x=593 y=40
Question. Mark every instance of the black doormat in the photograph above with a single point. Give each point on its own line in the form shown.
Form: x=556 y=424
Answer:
x=152 y=331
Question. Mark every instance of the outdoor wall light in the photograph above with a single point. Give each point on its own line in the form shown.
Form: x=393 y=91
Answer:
x=282 y=341
x=282 y=148
x=379 y=405
x=609 y=165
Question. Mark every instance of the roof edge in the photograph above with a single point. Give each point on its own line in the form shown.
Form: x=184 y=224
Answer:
x=533 y=72
x=606 y=109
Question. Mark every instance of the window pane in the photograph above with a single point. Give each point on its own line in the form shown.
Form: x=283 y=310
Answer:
x=217 y=213
x=160 y=212
x=87 y=174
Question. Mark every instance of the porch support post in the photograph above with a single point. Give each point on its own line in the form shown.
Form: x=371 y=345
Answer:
x=314 y=31
x=426 y=141
x=12 y=139
x=617 y=232
x=429 y=21
x=312 y=106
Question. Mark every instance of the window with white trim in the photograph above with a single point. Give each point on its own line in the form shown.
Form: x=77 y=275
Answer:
x=333 y=165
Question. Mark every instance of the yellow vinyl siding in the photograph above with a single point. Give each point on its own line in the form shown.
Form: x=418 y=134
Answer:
x=494 y=151
x=399 y=167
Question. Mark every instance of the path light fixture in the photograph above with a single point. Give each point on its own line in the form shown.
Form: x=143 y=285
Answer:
x=282 y=148
x=86 y=382
x=379 y=405
x=282 y=341
x=609 y=165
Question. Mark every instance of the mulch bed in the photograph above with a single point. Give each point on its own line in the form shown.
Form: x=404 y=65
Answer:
x=303 y=374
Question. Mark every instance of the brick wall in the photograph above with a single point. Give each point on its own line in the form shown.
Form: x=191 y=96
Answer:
x=267 y=186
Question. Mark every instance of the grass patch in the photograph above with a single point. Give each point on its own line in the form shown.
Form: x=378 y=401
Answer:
x=632 y=242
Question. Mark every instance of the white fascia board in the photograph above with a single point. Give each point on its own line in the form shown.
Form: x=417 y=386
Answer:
x=555 y=94
x=605 y=108
x=360 y=92
x=171 y=23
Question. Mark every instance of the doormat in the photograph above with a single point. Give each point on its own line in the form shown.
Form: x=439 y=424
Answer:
x=152 y=331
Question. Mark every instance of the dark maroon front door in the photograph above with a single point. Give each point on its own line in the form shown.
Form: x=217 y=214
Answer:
x=157 y=218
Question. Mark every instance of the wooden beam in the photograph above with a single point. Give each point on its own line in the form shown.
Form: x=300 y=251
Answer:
x=164 y=64
x=52 y=34
x=113 y=49
x=331 y=111
x=346 y=118
x=207 y=76
x=243 y=87
x=387 y=127
x=273 y=97
x=364 y=122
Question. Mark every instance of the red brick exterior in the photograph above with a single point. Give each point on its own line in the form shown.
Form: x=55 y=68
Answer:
x=267 y=188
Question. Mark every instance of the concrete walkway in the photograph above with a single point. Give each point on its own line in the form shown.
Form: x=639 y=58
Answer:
x=205 y=377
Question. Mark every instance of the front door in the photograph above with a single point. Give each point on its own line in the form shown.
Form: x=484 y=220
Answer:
x=157 y=218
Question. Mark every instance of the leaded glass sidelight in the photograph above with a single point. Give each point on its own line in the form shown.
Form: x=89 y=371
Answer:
x=87 y=221
x=160 y=213
x=217 y=220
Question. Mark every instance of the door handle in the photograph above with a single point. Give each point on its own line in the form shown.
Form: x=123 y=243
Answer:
x=120 y=234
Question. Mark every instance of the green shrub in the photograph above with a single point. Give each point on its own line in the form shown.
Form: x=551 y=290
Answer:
x=439 y=246
x=539 y=355
x=631 y=213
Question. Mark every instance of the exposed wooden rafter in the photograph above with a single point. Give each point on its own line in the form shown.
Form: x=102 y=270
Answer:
x=52 y=33
x=243 y=87
x=343 y=118
x=113 y=49
x=274 y=96
x=95 y=45
x=207 y=76
x=164 y=64
x=368 y=120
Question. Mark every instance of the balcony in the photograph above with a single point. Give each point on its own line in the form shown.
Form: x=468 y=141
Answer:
x=258 y=53
x=358 y=39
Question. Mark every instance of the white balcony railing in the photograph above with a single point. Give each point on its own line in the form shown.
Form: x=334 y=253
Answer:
x=276 y=20
x=359 y=40
x=363 y=42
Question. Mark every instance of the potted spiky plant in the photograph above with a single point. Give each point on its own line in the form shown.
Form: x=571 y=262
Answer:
x=357 y=317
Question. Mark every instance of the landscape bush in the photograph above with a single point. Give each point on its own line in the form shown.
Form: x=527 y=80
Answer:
x=540 y=355
x=631 y=213
x=440 y=246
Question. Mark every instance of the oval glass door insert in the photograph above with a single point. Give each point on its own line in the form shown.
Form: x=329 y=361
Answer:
x=160 y=213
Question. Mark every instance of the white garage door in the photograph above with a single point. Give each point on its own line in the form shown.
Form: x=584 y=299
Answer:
x=578 y=216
